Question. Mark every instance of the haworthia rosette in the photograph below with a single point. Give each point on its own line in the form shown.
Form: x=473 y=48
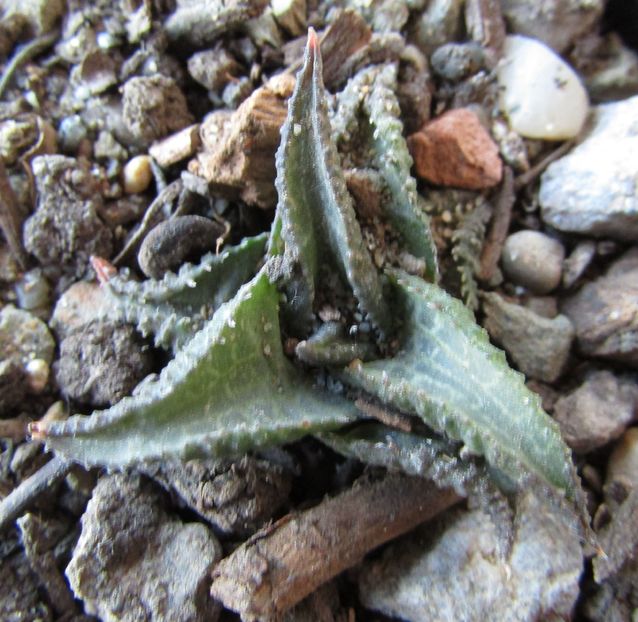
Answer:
x=318 y=221
x=449 y=374
x=229 y=390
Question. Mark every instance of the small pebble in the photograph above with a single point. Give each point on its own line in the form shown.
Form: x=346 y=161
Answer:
x=71 y=133
x=456 y=61
x=533 y=260
x=175 y=241
x=539 y=92
x=32 y=290
x=37 y=374
x=137 y=174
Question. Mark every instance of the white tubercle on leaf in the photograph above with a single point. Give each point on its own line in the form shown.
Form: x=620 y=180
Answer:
x=539 y=92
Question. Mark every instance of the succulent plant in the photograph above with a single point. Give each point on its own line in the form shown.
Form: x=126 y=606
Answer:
x=231 y=388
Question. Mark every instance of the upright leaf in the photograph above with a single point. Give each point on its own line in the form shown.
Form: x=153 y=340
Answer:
x=391 y=157
x=318 y=222
x=448 y=373
x=230 y=389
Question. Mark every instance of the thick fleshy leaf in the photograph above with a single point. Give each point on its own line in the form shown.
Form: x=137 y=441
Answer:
x=229 y=390
x=392 y=158
x=175 y=307
x=318 y=221
x=433 y=458
x=448 y=373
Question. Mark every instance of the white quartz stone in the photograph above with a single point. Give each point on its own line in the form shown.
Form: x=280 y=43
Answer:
x=539 y=92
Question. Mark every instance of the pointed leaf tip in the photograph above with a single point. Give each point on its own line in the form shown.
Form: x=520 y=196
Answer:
x=313 y=43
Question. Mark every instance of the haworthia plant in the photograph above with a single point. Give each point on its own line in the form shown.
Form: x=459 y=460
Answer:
x=230 y=387
x=228 y=390
x=318 y=221
x=448 y=373
x=175 y=307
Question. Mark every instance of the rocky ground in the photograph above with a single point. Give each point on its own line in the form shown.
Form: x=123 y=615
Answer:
x=144 y=133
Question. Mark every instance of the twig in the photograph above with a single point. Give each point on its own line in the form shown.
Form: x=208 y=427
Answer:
x=281 y=565
x=166 y=196
x=499 y=228
x=536 y=170
x=26 y=53
x=11 y=218
x=18 y=500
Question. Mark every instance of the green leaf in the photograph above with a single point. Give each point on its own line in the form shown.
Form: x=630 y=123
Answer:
x=433 y=458
x=175 y=307
x=391 y=157
x=449 y=374
x=229 y=390
x=318 y=221
x=329 y=348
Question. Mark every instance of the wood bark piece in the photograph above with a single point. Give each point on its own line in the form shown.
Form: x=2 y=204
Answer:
x=344 y=45
x=11 y=218
x=485 y=25
x=281 y=565
x=176 y=147
x=238 y=156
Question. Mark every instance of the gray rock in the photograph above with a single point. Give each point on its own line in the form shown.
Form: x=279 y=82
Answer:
x=13 y=386
x=440 y=23
x=79 y=305
x=608 y=68
x=456 y=61
x=101 y=362
x=592 y=190
x=605 y=312
x=24 y=337
x=558 y=23
x=213 y=69
x=175 y=241
x=19 y=597
x=153 y=107
x=539 y=346
x=65 y=229
x=577 y=262
x=596 y=412
x=40 y=537
x=533 y=260
x=452 y=570
x=134 y=562
x=237 y=497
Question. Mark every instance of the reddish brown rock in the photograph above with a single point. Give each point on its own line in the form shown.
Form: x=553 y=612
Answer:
x=456 y=150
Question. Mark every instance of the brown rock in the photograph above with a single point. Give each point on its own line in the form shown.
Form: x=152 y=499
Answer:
x=456 y=150
x=238 y=157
